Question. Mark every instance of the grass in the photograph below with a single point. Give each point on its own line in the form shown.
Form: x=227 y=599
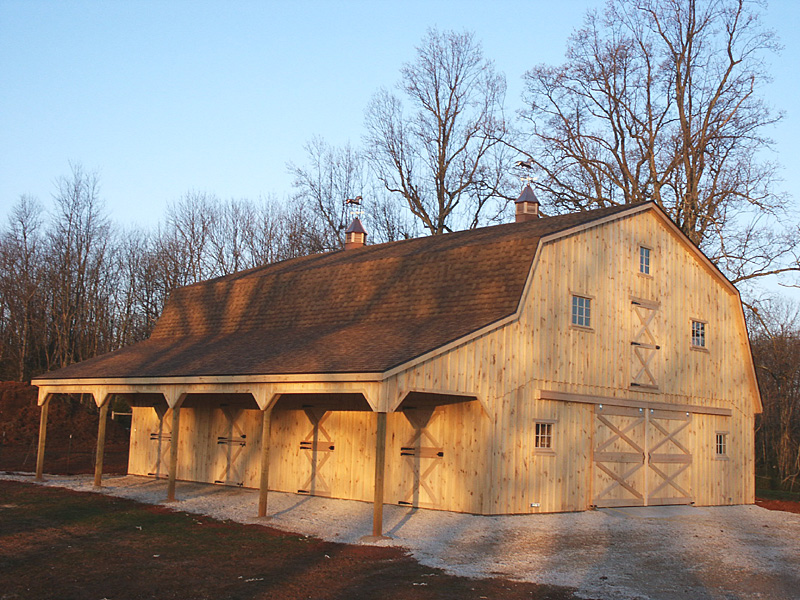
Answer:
x=57 y=543
x=777 y=494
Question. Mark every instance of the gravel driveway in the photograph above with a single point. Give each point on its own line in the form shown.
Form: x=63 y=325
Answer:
x=672 y=552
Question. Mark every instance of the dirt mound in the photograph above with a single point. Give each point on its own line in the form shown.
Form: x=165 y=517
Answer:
x=73 y=416
x=68 y=415
x=792 y=506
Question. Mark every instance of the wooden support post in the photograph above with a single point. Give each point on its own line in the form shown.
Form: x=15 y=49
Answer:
x=173 y=450
x=42 y=436
x=266 y=421
x=101 y=441
x=380 y=468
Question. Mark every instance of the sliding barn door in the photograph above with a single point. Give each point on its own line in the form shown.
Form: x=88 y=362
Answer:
x=641 y=457
x=669 y=459
x=619 y=474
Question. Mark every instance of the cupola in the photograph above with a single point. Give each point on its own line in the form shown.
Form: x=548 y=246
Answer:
x=527 y=206
x=355 y=236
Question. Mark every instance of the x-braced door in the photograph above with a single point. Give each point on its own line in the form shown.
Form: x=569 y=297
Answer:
x=668 y=458
x=161 y=439
x=231 y=444
x=641 y=457
x=644 y=347
x=619 y=451
x=318 y=448
x=422 y=455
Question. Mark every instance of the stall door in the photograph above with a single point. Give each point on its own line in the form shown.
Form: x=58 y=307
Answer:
x=641 y=457
x=318 y=448
x=422 y=456
x=232 y=447
x=160 y=441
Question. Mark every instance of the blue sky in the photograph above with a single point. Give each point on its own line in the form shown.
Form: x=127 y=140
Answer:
x=170 y=96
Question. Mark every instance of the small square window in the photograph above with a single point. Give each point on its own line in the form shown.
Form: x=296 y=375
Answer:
x=644 y=260
x=698 y=334
x=581 y=311
x=722 y=444
x=544 y=436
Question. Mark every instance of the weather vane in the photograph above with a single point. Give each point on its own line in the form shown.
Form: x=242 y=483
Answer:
x=354 y=208
x=526 y=164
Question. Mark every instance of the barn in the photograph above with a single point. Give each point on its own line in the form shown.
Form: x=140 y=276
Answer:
x=553 y=364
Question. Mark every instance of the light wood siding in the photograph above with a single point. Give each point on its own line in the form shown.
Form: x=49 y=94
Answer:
x=541 y=350
x=489 y=464
x=202 y=455
x=456 y=479
x=344 y=472
x=149 y=456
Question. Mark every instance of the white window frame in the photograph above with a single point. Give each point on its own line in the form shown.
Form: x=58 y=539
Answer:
x=699 y=334
x=645 y=262
x=581 y=316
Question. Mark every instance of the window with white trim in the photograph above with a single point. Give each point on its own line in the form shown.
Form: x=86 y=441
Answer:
x=543 y=436
x=581 y=311
x=698 y=334
x=722 y=444
x=644 y=260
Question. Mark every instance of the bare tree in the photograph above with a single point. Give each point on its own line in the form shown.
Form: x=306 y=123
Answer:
x=267 y=239
x=231 y=223
x=187 y=234
x=78 y=242
x=330 y=176
x=21 y=274
x=445 y=157
x=387 y=221
x=775 y=342
x=659 y=100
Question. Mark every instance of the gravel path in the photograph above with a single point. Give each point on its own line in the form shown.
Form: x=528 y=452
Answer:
x=659 y=553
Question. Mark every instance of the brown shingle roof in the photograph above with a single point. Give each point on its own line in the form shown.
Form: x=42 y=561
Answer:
x=364 y=310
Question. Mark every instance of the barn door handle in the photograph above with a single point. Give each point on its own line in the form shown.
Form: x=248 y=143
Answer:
x=648 y=345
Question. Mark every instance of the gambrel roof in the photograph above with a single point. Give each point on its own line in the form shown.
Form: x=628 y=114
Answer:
x=356 y=311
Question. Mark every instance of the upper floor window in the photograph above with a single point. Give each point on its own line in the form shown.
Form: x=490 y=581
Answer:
x=698 y=334
x=722 y=443
x=644 y=260
x=581 y=311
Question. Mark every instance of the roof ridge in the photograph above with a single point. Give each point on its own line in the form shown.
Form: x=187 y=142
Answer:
x=553 y=224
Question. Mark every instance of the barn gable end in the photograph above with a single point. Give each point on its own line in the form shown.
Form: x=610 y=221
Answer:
x=540 y=367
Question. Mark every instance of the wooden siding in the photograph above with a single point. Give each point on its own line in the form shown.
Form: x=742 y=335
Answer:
x=457 y=480
x=488 y=462
x=210 y=445
x=542 y=350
